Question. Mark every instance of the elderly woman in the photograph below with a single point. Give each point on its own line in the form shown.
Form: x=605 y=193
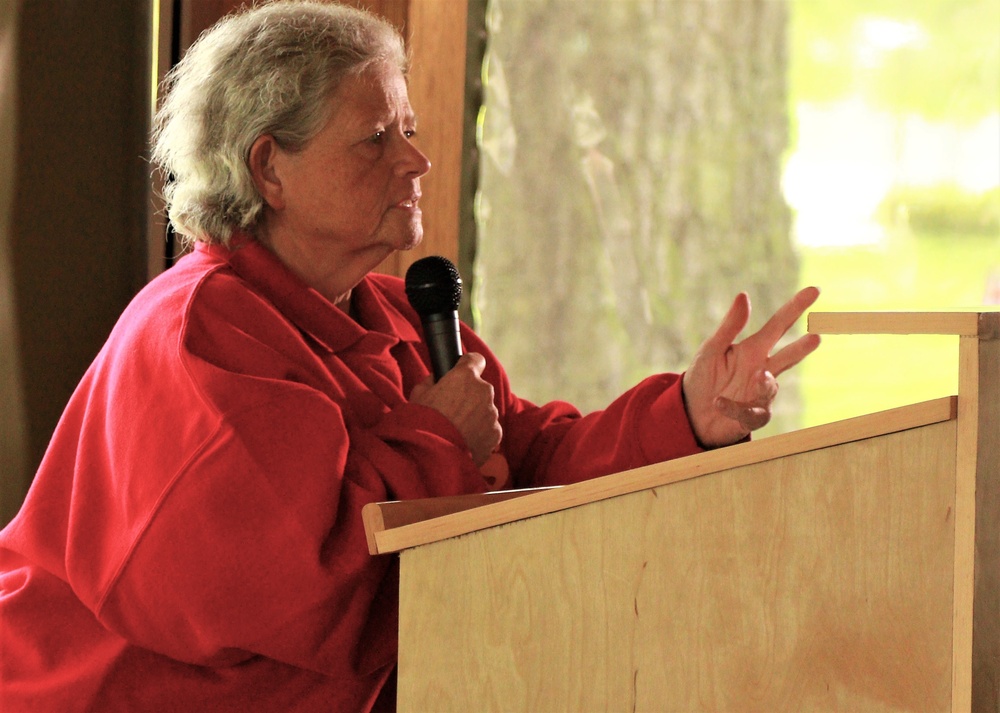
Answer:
x=193 y=539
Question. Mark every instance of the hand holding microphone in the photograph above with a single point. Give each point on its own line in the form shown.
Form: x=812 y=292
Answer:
x=467 y=401
x=457 y=390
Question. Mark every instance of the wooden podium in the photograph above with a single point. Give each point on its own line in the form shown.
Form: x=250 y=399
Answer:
x=853 y=566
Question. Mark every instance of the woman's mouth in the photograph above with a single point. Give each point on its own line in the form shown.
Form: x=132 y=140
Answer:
x=409 y=203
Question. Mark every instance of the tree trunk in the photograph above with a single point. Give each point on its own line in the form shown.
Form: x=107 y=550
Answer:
x=630 y=185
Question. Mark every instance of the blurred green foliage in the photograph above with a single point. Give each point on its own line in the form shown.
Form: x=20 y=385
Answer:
x=940 y=208
x=939 y=59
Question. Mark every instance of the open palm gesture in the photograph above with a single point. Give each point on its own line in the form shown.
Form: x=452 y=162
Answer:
x=729 y=387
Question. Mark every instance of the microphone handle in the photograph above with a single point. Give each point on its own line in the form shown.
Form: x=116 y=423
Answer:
x=442 y=333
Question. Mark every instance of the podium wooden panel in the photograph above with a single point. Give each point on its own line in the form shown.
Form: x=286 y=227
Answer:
x=849 y=567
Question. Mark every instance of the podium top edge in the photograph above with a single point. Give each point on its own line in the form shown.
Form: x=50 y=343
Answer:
x=965 y=324
x=446 y=524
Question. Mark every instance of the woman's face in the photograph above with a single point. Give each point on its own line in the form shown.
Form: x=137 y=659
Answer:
x=355 y=186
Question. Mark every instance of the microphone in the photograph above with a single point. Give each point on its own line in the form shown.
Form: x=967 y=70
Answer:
x=434 y=289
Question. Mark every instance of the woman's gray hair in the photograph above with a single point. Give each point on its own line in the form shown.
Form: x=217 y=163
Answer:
x=267 y=70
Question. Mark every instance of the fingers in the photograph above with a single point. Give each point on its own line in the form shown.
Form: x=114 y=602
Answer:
x=780 y=322
x=466 y=400
x=787 y=315
x=792 y=354
x=732 y=324
x=729 y=387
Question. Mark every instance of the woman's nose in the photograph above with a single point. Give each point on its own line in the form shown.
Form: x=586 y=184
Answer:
x=413 y=161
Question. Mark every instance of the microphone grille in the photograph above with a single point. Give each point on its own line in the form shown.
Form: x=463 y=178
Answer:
x=433 y=286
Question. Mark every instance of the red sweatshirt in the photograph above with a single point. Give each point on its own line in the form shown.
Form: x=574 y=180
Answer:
x=193 y=538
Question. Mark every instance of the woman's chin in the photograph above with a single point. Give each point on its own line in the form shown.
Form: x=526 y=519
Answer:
x=399 y=235
x=411 y=238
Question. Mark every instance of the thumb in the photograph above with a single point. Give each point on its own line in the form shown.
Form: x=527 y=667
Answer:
x=474 y=361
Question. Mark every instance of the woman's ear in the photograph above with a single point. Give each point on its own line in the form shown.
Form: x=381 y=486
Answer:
x=263 y=154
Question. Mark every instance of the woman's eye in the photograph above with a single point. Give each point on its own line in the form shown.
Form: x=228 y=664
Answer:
x=377 y=137
x=410 y=133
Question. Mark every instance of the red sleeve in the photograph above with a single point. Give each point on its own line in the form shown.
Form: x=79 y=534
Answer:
x=554 y=444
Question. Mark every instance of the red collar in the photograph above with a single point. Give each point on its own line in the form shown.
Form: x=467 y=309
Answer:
x=378 y=319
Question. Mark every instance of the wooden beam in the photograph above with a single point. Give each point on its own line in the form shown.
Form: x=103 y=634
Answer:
x=435 y=33
x=961 y=323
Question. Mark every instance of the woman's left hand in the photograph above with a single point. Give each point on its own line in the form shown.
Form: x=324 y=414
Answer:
x=729 y=388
